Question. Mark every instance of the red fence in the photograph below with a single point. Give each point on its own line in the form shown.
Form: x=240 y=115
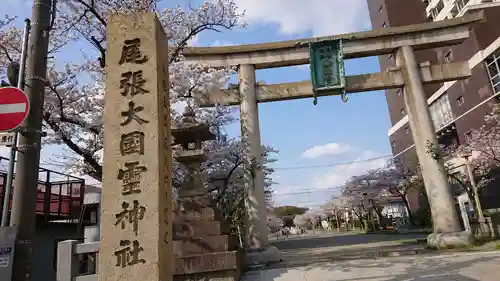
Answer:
x=55 y=200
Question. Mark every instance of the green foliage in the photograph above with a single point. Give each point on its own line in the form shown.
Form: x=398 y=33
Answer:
x=289 y=211
x=433 y=150
x=423 y=216
x=288 y=221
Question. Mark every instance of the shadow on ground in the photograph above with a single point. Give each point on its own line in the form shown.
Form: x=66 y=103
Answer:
x=341 y=240
x=446 y=267
x=373 y=257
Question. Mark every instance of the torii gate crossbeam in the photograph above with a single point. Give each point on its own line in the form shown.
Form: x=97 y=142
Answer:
x=409 y=74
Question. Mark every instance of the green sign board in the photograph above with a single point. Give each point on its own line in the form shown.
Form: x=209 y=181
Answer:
x=327 y=67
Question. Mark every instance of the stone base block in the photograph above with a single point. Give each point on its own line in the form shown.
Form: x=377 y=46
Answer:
x=227 y=275
x=207 y=244
x=262 y=257
x=206 y=213
x=209 y=262
x=198 y=228
x=195 y=203
x=450 y=240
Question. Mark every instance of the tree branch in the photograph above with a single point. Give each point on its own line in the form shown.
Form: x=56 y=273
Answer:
x=87 y=157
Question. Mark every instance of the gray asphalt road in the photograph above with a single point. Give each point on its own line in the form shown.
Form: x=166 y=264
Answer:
x=325 y=240
x=477 y=266
x=334 y=257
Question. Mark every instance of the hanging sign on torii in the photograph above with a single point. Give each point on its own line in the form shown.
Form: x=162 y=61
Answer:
x=327 y=67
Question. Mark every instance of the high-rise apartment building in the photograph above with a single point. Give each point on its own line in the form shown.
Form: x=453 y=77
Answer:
x=456 y=107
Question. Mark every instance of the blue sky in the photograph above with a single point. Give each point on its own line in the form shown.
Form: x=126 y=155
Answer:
x=306 y=135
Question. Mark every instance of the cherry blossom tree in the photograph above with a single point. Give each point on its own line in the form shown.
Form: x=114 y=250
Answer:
x=335 y=208
x=303 y=220
x=273 y=222
x=224 y=173
x=74 y=96
x=366 y=193
x=484 y=145
x=400 y=181
x=73 y=110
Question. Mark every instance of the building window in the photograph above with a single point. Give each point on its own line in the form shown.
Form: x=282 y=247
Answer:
x=448 y=57
x=460 y=100
x=391 y=56
x=493 y=67
x=407 y=129
x=441 y=113
x=381 y=8
x=399 y=92
x=403 y=112
x=384 y=25
x=393 y=144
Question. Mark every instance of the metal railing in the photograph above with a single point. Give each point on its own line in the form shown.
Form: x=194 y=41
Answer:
x=77 y=261
x=59 y=196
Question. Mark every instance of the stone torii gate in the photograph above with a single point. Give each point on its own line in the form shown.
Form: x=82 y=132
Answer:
x=408 y=74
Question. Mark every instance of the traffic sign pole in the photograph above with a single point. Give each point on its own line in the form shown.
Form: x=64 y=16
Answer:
x=13 y=149
x=23 y=215
x=14 y=108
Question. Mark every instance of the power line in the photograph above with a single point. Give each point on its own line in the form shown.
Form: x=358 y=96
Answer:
x=333 y=164
x=330 y=189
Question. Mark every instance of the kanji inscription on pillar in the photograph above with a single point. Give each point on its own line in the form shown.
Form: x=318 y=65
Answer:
x=136 y=200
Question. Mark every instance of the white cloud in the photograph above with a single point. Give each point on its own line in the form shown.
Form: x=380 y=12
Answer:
x=340 y=174
x=326 y=149
x=321 y=17
x=315 y=190
x=221 y=43
x=194 y=41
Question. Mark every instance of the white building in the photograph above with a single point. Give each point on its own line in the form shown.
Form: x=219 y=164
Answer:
x=448 y=9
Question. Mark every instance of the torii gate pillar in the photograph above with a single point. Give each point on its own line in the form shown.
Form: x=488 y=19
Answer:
x=447 y=229
x=259 y=250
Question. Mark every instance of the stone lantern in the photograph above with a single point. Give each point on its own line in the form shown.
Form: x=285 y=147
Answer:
x=203 y=247
x=190 y=135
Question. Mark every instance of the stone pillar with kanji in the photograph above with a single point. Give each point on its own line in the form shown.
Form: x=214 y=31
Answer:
x=136 y=199
x=204 y=249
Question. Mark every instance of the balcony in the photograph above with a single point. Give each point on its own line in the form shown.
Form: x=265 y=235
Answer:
x=59 y=196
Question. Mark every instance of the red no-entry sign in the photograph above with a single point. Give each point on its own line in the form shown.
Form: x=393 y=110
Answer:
x=14 y=107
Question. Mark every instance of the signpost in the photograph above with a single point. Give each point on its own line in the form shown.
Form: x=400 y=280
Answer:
x=7 y=139
x=7 y=245
x=14 y=107
x=327 y=67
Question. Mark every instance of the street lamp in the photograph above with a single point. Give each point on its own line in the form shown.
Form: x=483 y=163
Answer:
x=480 y=215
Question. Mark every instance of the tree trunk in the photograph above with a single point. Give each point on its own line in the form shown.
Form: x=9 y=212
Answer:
x=362 y=224
x=410 y=215
x=338 y=223
x=379 y=217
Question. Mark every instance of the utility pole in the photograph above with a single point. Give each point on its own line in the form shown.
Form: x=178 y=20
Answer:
x=13 y=150
x=480 y=215
x=25 y=185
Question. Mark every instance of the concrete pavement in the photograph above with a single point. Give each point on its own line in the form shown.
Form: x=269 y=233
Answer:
x=475 y=266
x=373 y=257
x=336 y=247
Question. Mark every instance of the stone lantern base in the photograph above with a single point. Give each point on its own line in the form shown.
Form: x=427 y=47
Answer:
x=204 y=249
x=450 y=240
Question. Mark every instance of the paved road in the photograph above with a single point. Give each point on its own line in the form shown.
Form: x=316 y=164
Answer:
x=323 y=240
x=334 y=247
x=359 y=257
x=478 y=266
